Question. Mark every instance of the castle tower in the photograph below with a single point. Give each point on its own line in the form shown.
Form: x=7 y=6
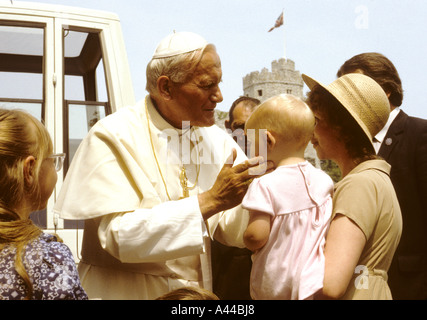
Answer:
x=283 y=78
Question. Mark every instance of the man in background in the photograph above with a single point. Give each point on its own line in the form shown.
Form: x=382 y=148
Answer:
x=239 y=112
x=231 y=266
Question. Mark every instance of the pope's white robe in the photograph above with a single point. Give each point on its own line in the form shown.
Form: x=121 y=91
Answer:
x=137 y=243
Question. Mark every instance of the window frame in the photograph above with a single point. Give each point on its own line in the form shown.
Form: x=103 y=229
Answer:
x=66 y=131
x=28 y=24
x=116 y=70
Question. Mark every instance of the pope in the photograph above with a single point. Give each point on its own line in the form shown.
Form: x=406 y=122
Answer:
x=156 y=182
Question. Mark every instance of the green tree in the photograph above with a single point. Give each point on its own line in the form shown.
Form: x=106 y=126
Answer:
x=332 y=169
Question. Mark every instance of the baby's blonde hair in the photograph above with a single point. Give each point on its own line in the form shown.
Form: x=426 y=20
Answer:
x=285 y=115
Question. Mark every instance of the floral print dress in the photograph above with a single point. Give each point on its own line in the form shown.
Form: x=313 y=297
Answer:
x=50 y=266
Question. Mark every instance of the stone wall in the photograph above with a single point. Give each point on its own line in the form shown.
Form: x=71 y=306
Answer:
x=283 y=78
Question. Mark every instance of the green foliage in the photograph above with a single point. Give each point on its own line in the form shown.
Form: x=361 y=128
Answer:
x=332 y=169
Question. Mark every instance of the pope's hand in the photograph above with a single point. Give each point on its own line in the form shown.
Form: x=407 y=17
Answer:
x=231 y=184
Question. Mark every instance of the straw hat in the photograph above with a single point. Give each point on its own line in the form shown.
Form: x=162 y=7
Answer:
x=362 y=97
x=178 y=43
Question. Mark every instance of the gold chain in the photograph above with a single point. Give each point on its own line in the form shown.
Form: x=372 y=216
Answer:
x=183 y=180
x=183 y=175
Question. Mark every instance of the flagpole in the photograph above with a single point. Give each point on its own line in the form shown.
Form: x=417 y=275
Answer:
x=284 y=35
x=280 y=22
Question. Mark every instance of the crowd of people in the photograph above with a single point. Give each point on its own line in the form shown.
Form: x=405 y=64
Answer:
x=175 y=209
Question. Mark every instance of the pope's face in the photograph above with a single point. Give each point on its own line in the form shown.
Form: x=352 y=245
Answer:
x=195 y=101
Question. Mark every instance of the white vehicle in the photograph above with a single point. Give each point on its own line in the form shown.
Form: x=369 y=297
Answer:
x=68 y=67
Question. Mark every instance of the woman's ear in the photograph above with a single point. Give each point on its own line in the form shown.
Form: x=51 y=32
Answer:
x=164 y=86
x=29 y=170
x=271 y=140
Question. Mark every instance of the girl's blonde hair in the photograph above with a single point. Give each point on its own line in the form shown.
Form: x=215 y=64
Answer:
x=21 y=135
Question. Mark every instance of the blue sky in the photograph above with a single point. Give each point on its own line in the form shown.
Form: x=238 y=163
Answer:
x=319 y=35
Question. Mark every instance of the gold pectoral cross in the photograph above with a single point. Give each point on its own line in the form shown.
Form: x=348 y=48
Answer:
x=184 y=183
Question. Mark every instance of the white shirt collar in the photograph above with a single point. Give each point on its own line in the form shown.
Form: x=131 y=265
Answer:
x=378 y=139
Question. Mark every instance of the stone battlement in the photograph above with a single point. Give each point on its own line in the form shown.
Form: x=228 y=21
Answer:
x=283 y=78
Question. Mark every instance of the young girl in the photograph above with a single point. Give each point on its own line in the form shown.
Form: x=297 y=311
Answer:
x=289 y=207
x=33 y=265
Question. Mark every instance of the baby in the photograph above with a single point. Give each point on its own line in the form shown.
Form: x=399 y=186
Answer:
x=290 y=207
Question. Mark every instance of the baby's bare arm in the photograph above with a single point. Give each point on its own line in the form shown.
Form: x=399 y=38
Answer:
x=258 y=230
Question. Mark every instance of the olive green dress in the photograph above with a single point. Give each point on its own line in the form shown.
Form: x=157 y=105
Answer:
x=367 y=197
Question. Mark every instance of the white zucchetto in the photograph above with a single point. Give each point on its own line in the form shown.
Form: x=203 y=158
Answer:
x=179 y=43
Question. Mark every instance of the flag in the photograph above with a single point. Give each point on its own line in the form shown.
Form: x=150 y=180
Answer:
x=278 y=23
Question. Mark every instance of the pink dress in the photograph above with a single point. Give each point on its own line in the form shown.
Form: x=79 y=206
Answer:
x=291 y=264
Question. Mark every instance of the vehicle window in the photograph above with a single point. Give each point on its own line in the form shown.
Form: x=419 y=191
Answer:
x=85 y=93
x=81 y=118
x=21 y=68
